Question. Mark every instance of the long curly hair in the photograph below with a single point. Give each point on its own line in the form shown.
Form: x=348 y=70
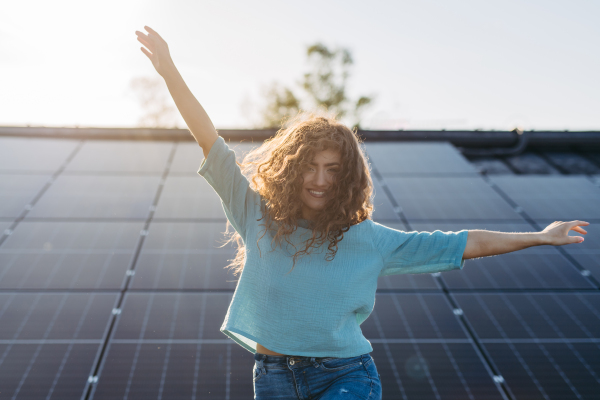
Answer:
x=275 y=172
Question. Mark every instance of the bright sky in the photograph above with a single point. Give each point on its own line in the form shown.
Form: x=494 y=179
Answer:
x=492 y=64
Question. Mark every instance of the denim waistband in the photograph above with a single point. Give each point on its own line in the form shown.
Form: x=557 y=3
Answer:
x=284 y=359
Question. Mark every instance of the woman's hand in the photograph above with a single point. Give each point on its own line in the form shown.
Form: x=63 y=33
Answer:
x=159 y=51
x=557 y=233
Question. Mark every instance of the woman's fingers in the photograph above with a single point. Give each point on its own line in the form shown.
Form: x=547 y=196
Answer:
x=146 y=52
x=152 y=31
x=146 y=43
x=578 y=229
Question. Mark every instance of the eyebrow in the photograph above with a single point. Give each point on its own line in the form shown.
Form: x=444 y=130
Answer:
x=327 y=165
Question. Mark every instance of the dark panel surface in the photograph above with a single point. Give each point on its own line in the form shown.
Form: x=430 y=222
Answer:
x=54 y=315
x=530 y=316
x=394 y=158
x=172 y=316
x=188 y=237
x=68 y=255
x=383 y=210
x=185 y=271
x=45 y=371
x=17 y=191
x=412 y=316
x=427 y=198
x=433 y=371
x=548 y=370
x=553 y=197
x=97 y=197
x=176 y=371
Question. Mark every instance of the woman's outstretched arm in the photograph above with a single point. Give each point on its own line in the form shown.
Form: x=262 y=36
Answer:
x=482 y=243
x=192 y=112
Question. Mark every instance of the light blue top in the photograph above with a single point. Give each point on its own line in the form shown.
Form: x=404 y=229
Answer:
x=316 y=310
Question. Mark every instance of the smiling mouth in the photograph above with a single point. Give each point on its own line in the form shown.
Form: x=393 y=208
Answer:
x=316 y=194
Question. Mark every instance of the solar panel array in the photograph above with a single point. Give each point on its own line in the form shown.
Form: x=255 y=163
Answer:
x=112 y=278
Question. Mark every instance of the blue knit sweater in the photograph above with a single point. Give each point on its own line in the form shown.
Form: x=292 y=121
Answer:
x=316 y=309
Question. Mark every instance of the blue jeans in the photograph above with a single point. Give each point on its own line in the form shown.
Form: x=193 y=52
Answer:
x=304 y=378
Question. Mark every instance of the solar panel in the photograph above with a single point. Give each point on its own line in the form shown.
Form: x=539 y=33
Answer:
x=39 y=371
x=34 y=155
x=4 y=225
x=559 y=197
x=68 y=255
x=17 y=191
x=188 y=197
x=186 y=237
x=514 y=326
x=394 y=158
x=433 y=371
x=172 y=316
x=412 y=316
x=104 y=156
x=383 y=209
x=543 y=344
x=428 y=198
x=97 y=197
x=46 y=316
x=548 y=370
x=532 y=315
x=185 y=271
x=540 y=267
x=175 y=370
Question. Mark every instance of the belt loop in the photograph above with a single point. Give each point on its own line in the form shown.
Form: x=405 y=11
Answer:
x=314 y=363
x=260 y=364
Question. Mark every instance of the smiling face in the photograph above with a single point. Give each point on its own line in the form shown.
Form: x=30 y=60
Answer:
x=318 y=181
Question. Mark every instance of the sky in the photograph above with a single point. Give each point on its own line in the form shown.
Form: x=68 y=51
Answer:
x=428 y=64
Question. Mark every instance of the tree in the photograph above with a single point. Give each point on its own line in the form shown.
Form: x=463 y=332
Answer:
x=324 y=87
x=158 y=112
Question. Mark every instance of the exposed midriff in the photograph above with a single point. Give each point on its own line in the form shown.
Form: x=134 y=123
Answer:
x=263 y=350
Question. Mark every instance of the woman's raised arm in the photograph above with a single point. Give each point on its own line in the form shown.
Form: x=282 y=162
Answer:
x=192 y=112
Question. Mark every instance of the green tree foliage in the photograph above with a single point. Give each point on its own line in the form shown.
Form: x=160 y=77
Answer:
x=323 y=87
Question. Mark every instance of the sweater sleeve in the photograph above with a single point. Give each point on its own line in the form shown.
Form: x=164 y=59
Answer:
x=419 y=252
x=221 y=171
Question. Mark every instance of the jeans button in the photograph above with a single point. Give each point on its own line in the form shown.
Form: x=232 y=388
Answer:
x=292 y=362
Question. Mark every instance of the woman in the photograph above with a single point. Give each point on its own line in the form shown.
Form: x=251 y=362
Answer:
x=309 y=253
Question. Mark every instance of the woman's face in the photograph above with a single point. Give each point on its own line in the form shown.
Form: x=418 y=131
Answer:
x=318 y=181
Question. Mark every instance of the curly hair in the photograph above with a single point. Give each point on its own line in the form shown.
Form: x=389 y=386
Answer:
x=275 y=172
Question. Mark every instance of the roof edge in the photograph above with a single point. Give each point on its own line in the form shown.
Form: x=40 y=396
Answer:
x=463 y=138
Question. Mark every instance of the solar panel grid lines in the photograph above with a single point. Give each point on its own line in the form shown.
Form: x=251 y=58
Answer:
x=489 y=365
x=527 y=325
x=564 y=197
x=172 y=271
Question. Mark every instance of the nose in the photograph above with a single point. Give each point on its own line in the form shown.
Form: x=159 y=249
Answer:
x=321 y=178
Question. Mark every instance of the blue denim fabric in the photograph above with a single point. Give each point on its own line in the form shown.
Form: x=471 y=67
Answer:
x=312 y=378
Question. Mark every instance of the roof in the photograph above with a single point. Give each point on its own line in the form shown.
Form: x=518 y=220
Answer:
x=112 y=278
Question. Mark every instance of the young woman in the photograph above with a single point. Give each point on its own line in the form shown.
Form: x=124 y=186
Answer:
x=309 y=253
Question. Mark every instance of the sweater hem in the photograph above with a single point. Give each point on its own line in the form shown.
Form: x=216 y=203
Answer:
x=230 y=332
